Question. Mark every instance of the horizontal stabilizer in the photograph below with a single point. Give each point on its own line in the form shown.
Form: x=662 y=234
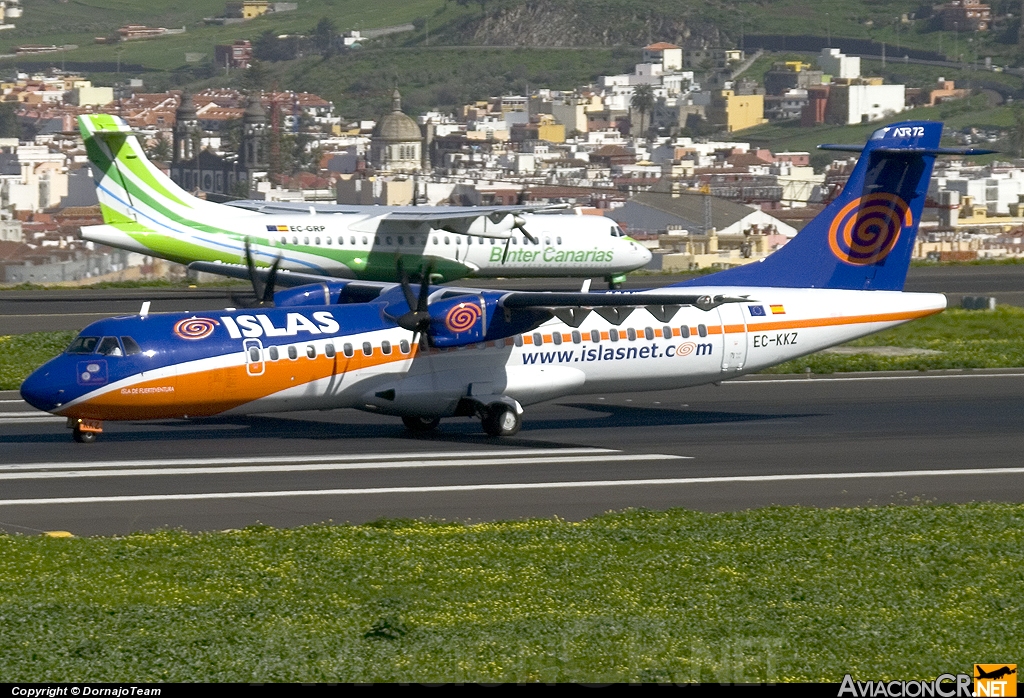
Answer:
x=917 y=151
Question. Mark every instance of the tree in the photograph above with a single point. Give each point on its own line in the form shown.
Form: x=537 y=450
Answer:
x=255 y=77
x=323 y=36
x=9 y=125
x=643 y=102
x=160 y=149
x=1017 y=132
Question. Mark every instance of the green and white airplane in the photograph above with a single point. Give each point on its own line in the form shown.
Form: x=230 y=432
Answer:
x=144 y=211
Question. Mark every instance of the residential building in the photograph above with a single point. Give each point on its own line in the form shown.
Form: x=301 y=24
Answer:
x=863 y=103
x=735 y=112
x=966 y=15
x=237 y=54
x=837 y=64
x=668 y=56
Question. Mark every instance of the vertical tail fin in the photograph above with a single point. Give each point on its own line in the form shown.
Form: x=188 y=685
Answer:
x=865 y=237
x=131 y=190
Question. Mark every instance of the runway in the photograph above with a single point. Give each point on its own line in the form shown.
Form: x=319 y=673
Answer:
x=827 y=441
x=73 y=309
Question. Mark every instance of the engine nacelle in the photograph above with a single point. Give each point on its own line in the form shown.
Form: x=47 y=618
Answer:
x=458 y=321
x=496 y=225
x=325 y=293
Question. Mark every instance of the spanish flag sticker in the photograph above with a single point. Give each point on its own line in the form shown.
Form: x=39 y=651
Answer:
x=778 y=310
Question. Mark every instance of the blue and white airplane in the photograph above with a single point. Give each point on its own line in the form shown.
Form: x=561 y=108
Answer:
x=446 y=352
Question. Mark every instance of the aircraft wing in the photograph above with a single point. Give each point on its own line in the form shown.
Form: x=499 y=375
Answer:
x=482 y=221
x=615 y=307
x=287 y=278
x=543 y=299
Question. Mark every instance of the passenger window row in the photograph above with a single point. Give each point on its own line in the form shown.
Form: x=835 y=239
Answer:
x=629 y=334
x=310 y=350
x=401 y=240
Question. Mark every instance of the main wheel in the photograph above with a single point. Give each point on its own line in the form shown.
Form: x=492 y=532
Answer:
x=502 y=420
x=421 y=424
x=83 y=437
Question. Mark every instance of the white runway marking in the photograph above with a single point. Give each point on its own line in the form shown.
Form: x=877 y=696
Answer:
x=511 y=486
x=325 y=457
x=313 y=467
x=916 y=377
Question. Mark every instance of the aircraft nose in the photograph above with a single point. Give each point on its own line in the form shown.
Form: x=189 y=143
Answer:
x=41 y=391
x=644 y=254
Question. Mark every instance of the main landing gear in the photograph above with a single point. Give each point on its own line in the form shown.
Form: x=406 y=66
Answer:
x=84 y=431
x=503 y=417
x=502 y=420
x=421 y=425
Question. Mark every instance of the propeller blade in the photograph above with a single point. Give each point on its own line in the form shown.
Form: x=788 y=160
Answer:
x=403 y=277
x=421 y=306
x=519 y=223
x=251 y=266
x=268 y=288
x=505 y=255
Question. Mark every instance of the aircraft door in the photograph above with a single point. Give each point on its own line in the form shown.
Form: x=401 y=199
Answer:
x=734 y=336
x=254 y=365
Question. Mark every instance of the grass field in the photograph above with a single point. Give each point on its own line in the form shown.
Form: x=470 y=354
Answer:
x=778 y=594
x=965 y=339
x=21 y=354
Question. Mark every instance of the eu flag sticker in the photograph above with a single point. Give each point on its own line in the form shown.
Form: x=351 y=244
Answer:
x=271 y=228
x=756 y=310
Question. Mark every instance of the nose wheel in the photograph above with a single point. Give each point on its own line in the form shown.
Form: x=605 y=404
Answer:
x=502 y=420
x=615 y=282
x=82 y=436
x=84 y=431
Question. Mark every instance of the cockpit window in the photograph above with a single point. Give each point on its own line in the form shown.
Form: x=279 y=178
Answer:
x=109 y=347
x=616 y=232
x=83 y=345
x=130 y=346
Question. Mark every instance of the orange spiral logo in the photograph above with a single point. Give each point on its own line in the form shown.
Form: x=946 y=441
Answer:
x=462 y=317
x=685 y=349
x=195 y=327
x=867 y=228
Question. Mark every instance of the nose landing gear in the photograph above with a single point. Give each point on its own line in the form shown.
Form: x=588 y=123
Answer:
x=84 y=431
x=615 y=282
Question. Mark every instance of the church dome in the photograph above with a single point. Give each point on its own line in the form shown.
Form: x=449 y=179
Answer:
x=397 y=126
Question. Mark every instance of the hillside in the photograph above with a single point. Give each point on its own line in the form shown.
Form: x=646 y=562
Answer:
x=468 y=49
x=531 y=24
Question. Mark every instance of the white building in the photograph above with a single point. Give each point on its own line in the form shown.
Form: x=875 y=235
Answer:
x=669 y=56
x=837 y=64
x=860 y=104
x=995 y=192
x=32 y=178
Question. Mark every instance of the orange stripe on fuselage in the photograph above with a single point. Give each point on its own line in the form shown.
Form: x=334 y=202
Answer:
x=211 y=391
x=836 y=321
